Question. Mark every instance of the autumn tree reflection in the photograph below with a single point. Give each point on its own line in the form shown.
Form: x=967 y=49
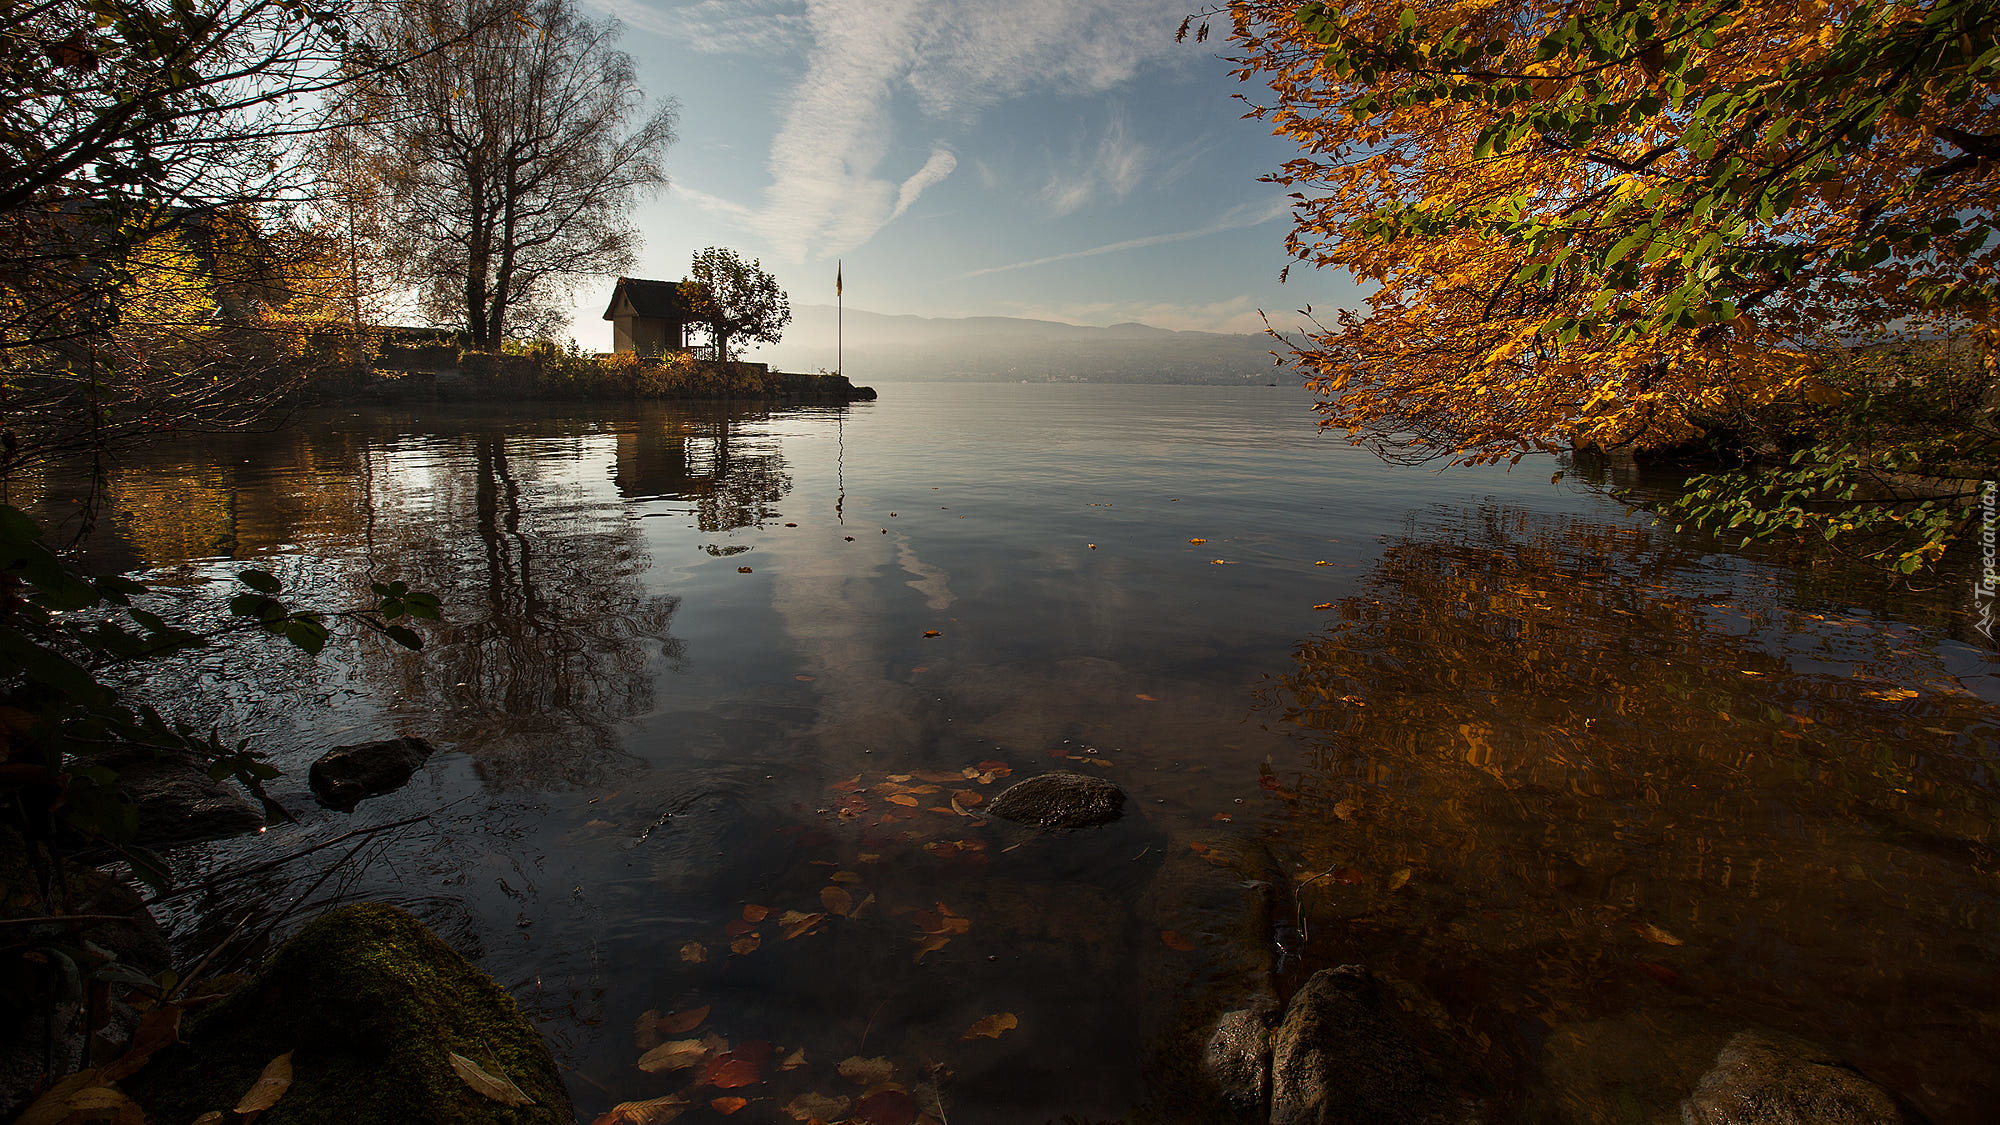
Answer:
x=1561 y=769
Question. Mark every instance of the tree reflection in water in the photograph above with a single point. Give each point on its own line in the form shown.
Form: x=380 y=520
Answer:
x=1562 y=770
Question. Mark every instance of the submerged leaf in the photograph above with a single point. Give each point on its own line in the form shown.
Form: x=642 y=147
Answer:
x=1655 y=934
x=694 y=953
x=836 y=900
x=1401 y=877
x=992 y=1026
x=657 y=1111
x=680 y=1023
x=1175 y=941
x=866 y=1072
x=677 y=1055
x=746 y=944
x=817 y=1107
x=930 y=945
x=891 y=1105
x=800 y=924
x=754 y=913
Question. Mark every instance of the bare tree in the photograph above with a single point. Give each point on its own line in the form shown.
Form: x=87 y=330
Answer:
x=506 y=160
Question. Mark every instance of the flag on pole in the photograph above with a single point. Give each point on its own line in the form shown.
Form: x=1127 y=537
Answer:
x=836 y=277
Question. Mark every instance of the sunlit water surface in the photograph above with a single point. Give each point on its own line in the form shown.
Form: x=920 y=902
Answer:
x=709 y=672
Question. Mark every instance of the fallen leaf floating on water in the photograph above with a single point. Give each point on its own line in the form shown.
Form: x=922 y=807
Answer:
x=970 y=798
x=727 y=1106
x=1324 y=605
x=1197 y=542
x=794 y=1060
x=746 y=944
x=1655 y=934
x=866 y=1072
x=845 y=877
x=680 y=1023
x=1322 y=562
x=904 y=799
x=1144 y=696
x=836 y=900
x=1197 y=847
x=677 y=1055
x=930 y=945
x=817 y=1107
x=1175 y=941
x=498 y=1087
x=277 y=1078
x=742 y=570
x=656 y=1111
x=1218 y=562
x=737 y=927
x=694 y=953
x=932 y=633
x=754 y=913
x=1401 y=877
x=992 y=1026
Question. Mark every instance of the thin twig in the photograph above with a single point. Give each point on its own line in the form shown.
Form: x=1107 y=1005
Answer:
x=255 y=868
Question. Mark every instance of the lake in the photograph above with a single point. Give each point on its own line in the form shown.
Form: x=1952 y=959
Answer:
x=723 y=691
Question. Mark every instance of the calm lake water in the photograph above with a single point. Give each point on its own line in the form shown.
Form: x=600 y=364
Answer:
x=1560 y=774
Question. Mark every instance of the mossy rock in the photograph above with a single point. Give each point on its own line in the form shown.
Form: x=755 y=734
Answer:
x=372 y=1004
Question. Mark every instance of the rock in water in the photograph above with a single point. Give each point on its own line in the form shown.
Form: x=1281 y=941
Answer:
x=1341 y=1060
x=1060 y=802
x=1762 y=1078
x=178 y=801
x=372 y=1006
x=346 y=775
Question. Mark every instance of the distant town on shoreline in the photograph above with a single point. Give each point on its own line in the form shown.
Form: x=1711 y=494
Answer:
x=881 y=348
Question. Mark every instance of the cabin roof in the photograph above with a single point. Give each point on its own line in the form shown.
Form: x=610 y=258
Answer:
x=654 y=300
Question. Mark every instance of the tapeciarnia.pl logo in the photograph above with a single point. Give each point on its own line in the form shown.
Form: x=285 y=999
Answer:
x=1988 y=592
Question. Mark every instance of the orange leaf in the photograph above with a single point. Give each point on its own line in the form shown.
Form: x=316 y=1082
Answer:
x=1175 y=941
x=932 y=633
x=905 y=800
x=755 y=913
x=1147 y=698
x=727 y=1106
x=930 y=945
x=992 y=1026
x=277 y=1078
x=1197 y=847
x=970 y=798
x=742 y=570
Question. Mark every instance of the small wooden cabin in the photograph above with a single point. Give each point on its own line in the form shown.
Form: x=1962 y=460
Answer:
x=648 y=317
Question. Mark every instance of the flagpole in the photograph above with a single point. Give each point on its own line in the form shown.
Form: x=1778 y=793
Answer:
x=839 y=323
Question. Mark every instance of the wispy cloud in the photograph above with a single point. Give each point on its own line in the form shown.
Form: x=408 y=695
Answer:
x=718 y=27
x=838 y=171
x=1236 y=218
x=1108 y=162
x=1230 y=314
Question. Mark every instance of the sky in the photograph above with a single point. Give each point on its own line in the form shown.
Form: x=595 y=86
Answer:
x=1054 y=159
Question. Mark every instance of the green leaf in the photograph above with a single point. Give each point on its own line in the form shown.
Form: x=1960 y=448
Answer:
x=262 y=581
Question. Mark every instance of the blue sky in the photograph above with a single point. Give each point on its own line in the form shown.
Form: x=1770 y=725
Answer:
x=1058 y=159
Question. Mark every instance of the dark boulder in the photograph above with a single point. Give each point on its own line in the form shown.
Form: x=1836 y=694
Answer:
x=346 y=775
x=1341 y=1059
x=1060 y=802
x=177 y=801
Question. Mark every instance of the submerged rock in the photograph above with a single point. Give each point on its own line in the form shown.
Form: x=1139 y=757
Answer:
x=346 y=775
x=1762 y=1078
x=1340 y=1059
x=1060 y=802
x=372 y=1006
x=178 y=802
x=1689 y=1068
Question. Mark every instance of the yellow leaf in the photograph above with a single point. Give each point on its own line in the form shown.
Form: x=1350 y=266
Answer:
x=657 y=1111
x=1401 y=877
x=694 y=953
x=836 y=900
x=930 y=944
x=270 y=1086
x=498 y=1087
x=992 y=1026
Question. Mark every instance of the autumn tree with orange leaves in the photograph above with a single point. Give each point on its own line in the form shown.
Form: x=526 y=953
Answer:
x=1639 y=223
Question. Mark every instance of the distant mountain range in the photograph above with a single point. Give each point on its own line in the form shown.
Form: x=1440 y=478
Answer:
x=1008 y=349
